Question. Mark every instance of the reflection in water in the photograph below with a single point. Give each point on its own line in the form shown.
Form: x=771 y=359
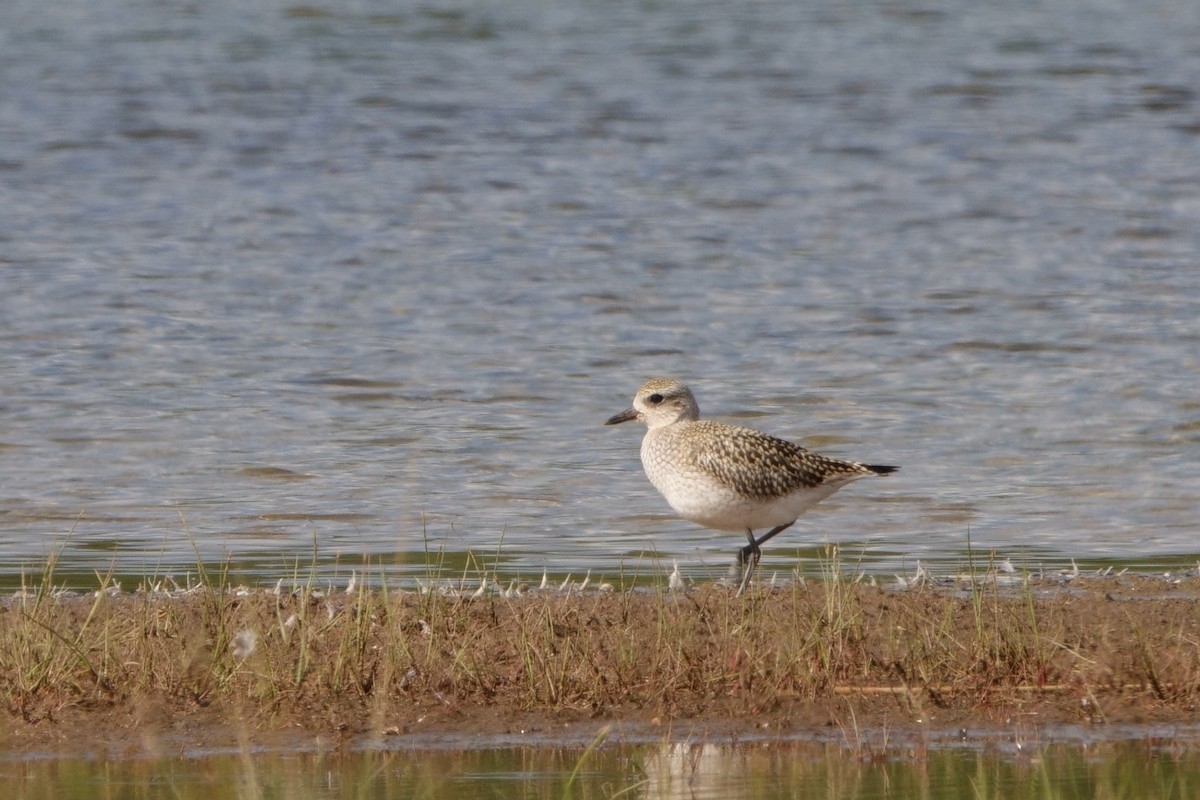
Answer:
x=1137 y=770
x=766 y=771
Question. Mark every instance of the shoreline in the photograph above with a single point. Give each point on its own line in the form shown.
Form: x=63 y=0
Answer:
x=221 y=670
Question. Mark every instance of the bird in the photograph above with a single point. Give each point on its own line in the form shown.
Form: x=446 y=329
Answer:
x=727 y=477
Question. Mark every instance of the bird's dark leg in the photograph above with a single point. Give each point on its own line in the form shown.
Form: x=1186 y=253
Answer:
x=762 y=539
x=749 y=556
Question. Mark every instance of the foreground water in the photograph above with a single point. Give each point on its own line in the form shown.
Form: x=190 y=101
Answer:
x=290 y=285
x=1154 y=769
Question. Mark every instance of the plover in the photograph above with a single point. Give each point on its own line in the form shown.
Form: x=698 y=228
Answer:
x=730 y=478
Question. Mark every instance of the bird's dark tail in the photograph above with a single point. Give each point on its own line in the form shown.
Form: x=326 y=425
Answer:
x=880 y=469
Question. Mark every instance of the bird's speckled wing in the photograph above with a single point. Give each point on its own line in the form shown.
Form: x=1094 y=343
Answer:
x=761 y=466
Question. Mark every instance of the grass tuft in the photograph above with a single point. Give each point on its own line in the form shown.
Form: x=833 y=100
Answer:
x=370 y=657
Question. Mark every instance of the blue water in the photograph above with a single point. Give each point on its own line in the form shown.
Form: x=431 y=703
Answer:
x=297 y=284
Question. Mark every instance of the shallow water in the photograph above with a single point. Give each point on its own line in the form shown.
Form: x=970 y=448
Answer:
x=1151 y=769
x=293 y=285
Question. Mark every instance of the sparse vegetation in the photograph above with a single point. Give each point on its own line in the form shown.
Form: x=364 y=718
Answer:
x=375 y=661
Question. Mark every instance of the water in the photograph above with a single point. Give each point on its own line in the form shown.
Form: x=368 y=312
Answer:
x=1143 y=769
x=291 y=286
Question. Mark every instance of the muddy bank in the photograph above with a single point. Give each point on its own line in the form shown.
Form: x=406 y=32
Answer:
x=128 y=674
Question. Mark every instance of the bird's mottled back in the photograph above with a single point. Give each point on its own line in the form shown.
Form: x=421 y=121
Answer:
x=758 y=465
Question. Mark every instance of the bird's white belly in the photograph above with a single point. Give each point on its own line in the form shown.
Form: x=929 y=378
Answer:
x=705 y=501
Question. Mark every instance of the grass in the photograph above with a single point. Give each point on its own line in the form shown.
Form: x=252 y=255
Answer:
x=378 y=659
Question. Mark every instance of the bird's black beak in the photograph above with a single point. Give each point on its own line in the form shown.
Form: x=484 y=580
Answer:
x=624 y=416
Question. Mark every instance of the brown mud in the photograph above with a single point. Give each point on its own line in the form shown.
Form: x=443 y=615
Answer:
x=114 y=675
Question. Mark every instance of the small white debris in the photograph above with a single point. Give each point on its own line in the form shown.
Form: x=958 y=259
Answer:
x=243 y=644
x=675 y=580
x=920 y=578
x=350 y=584
x=545 y=581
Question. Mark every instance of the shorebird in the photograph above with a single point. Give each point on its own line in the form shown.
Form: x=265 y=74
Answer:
x=727 y=477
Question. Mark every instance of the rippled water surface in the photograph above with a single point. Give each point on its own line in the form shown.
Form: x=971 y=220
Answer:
x=292 y=284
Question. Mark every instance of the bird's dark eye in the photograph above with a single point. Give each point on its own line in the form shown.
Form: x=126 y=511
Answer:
x=654 y=399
